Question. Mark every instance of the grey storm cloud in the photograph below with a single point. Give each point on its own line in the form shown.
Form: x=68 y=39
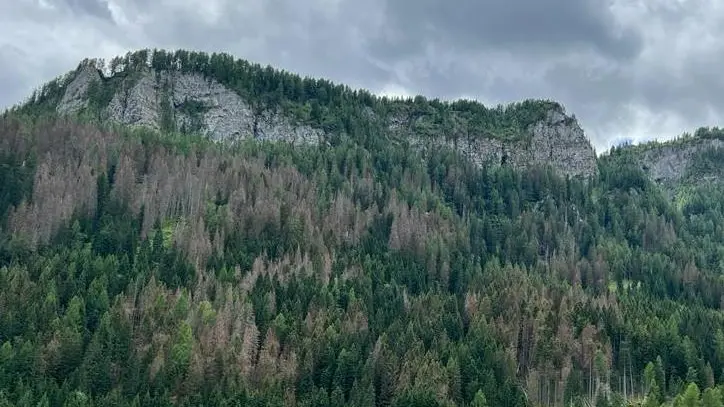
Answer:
x=627 y=69
x=97 y=8
x=551 y=26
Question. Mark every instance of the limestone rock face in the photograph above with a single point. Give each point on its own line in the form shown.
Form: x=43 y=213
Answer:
x=272 y=126
x=192 y=102
x=74 y=99
x=669 y=163
x=224 y=114
x=560 y=141
x=557 y=140
x=138 y=104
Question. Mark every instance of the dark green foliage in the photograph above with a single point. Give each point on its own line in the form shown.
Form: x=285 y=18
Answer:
x=708 y=163
x=16 y=178
x=99 y=95
x=168 y=124
x=194 y=111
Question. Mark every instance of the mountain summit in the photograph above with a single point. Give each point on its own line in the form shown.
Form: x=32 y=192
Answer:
x=228 y=99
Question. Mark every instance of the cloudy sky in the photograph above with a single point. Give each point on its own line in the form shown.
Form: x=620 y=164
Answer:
x=628 y=69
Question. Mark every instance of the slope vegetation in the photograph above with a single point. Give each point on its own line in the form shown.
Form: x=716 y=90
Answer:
x=150 y=266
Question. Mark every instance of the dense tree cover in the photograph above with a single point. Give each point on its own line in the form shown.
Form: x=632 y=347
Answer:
x=142 y=268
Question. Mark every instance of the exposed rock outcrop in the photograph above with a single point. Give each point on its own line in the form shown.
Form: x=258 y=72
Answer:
x=670 y=162
x=557 y=140
x=560 y=141
x=190 y=101
x=138 y=104
x=74 y=99
x=224 y=114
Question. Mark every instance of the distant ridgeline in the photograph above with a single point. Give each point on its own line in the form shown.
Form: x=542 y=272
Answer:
x=227 y=98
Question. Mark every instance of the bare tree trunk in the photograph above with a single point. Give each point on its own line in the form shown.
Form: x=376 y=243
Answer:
x=590 y=381
x=630 y=374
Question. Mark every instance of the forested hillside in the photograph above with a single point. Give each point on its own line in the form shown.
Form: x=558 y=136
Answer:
x=224 y=98
x=158 y=267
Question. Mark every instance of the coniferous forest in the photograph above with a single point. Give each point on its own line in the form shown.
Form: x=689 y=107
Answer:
x=160 y=268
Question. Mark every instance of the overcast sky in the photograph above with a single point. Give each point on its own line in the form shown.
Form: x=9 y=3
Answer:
x=628 y=69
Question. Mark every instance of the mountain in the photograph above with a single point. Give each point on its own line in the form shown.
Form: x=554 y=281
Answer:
x=220 y=97
x=191 y=229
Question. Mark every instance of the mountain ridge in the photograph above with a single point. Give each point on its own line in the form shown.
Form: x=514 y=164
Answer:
x=193 y=92
x=179 y=91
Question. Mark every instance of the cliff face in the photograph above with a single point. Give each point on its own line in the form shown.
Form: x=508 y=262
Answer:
x=674 y=162
x=75 y=96
x=688 y=161
x=192 y=102
x=557 y=140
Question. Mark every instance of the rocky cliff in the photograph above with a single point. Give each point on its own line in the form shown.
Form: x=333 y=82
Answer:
x=557 y=140
x=192 y=102
x=691 y=159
